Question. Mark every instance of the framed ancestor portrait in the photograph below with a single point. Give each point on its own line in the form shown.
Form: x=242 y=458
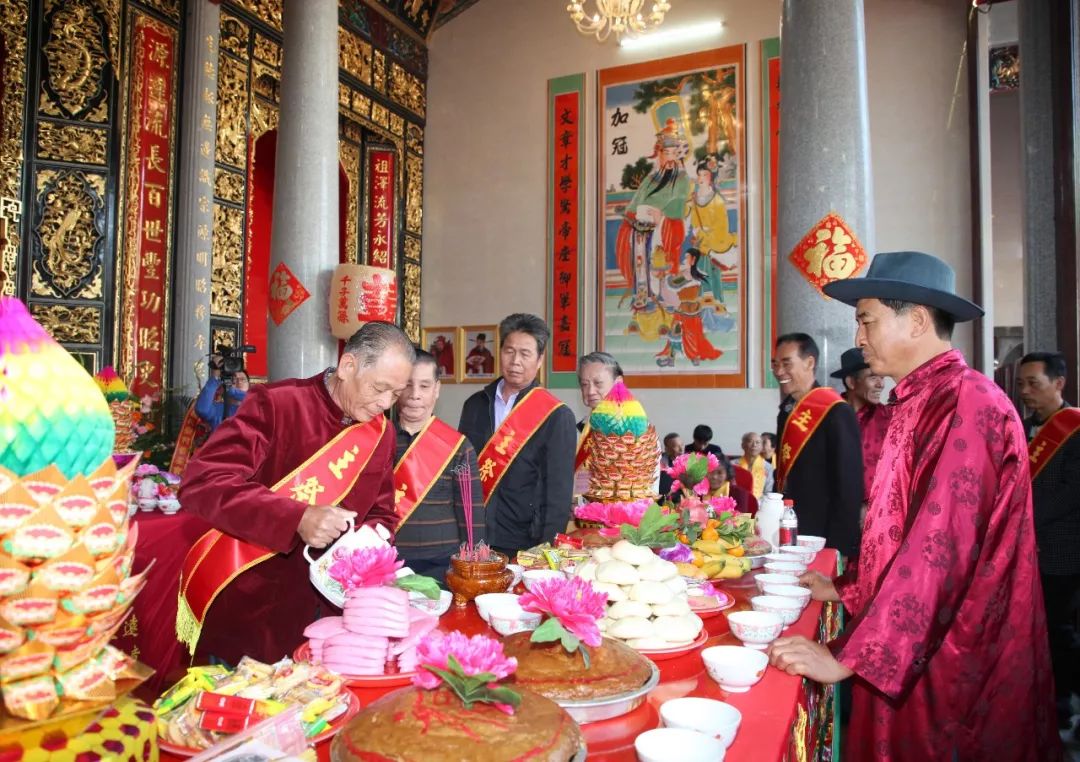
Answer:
x=479 y=350
x=671 y=302
x=441 y=341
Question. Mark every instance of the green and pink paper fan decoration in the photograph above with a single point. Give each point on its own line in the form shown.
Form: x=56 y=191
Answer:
x=51 y=411
x=619 y=413
x=111 y=385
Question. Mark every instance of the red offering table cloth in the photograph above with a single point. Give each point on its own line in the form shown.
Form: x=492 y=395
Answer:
x=783 y=717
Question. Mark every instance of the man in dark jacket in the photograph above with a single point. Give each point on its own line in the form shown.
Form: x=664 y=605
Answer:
x=820 y=464
x=526 y=439
x=1053 y=431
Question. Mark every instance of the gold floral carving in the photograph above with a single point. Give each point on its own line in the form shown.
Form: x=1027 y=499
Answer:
x=397 y=125
x=361 y=105
x=70 y=325
x=378 y=71
x=13 y=17
x=380 y=115
x=266 y=81
x=69 y=225
x=234 y=36
x=267 y=50
x=170 y=8
x=412 y=248
x=232 y=112
x=267 y=11
x=229 y=186
x=414 y=198
x=414 y=138
x=226 y=277
x=354 y=55
x=112 y=13
x=222 y=337
x=70 y=142
x=73 y=84
x=411 y=302
x=350 y=161
x=264 y=117
x=407 y=89
x=350 y=130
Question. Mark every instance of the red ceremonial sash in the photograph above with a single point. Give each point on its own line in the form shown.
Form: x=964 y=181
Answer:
x=524 y=420
x=217 y=558
x=185 y=441
x=422 y=464
x=582 y=453
x=801 y=424
x=1054 y=433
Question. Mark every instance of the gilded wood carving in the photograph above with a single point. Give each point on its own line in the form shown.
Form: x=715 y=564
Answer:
x=75 y=56
x=69 y=234
x=75 y=325
x=227 y=287
x=13 y=18
x=70 y=142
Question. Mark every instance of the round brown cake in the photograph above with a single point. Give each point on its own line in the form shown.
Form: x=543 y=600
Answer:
x=413 y=725
x=551 y=671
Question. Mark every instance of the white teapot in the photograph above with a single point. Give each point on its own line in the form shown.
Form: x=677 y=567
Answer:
x=769 y=513
x=351 y=539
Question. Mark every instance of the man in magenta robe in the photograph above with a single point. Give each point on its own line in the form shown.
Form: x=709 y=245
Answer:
x=947 y=640
x=264 y=610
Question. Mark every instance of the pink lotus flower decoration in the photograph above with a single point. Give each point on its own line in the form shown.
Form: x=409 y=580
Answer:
x=573 y=603
x=468 y=666
x=364 y=567
x=613 y=515
x=692 y=468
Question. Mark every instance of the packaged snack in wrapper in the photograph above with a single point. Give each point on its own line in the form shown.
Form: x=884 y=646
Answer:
x=45 y=484
x=99 y=594
x=30 y=659
x=14 y=576
x=103 y=479
x=11 y=637
x=100 y=536
x=88 y=681
x=64 y=631
x=42 y=535
x=32 y=699
x=16 y=505
x=71 y=571
x=36 y=604
x=76 y=502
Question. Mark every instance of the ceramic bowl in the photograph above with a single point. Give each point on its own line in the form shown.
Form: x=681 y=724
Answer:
x=436 y=607
x=708 y=716
x=796 y=592
x=736 y=668
x=756 y=629
x=677 y=745
x=768 y=578
x=517 y=571
x=789 y=609
x=487 y=600
x=804 y=554
x=816 y=544
x=532 y=576
x=779 y=556
x=507 y=617
x=785 y=567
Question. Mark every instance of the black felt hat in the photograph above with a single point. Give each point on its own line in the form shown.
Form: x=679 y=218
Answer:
x=909 y=276
x=851 y=362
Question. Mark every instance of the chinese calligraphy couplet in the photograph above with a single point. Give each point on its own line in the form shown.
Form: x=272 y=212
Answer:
x=150 y=170
x=564 y=236
x=381 y=211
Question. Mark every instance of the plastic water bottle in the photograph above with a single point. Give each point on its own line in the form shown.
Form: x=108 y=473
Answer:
x=789 y=525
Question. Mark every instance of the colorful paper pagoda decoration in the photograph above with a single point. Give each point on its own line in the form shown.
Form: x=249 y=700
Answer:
x=623 y=453
x=121 y=407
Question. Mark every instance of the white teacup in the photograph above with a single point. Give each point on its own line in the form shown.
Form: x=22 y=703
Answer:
x=735 y=668
x=708 y=716
x=507 y=618
x=678 y=745
x=487 y=601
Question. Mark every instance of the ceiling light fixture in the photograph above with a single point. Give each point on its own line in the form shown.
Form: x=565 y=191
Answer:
x=618 y=16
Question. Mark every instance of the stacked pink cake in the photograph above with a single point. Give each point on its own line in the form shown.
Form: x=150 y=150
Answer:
x=378 y=628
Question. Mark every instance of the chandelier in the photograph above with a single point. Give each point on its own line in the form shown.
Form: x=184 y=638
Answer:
x=618 y=16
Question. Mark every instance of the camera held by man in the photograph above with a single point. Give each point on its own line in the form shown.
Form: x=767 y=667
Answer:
x=227 y=386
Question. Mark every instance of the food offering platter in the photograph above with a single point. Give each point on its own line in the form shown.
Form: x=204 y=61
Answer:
x=303 y=654
x=723 y=601
x=660 y=654
x=595 y=710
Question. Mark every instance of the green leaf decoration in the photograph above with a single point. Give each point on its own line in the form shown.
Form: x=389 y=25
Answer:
x=550 y=630
x=472 y=689
x=505 y=695
x=416 y=583
x=697 y=468
x=656 y=530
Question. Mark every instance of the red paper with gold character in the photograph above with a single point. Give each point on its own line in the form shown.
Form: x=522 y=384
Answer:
x=828 y=252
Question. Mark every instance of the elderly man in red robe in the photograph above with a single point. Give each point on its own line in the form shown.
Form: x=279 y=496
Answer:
x=300 y=460
x=948 y=640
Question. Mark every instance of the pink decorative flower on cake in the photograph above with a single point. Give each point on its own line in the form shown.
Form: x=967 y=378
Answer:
x=470 y=667
x=573 y=602
x=364 y=567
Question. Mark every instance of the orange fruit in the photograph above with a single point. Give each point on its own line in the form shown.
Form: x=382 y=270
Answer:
x=710 y=534
x=737 y=551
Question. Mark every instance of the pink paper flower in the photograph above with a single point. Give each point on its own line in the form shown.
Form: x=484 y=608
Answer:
x=364 y=567
x=573 y=602
x=722 y=504
x=702 y=487
x=476 y=655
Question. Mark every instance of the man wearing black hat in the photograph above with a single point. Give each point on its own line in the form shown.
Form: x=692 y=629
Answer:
x=948 y=636
x=862 y=390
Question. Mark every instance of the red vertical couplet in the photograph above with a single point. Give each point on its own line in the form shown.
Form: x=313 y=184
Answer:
x=149 y=203
x=565 y=195
x=381 y=212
